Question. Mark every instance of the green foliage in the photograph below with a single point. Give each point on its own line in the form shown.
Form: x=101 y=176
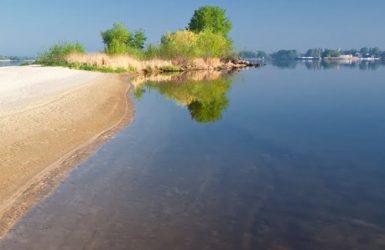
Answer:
x=179 y=44
x=375 y=51
x=364 y=51
x=170 y=68
x=211 y=44
x=151 y=52
x=138 y=93
x=137 y=40
x=205 y=100
x=119 y=40
x=87 y=67
x=210 y=18
x=253 y=54
x=331 y=53
x=116 y=47
x=56 y=55
x=285 y=55
x=186 y=44
x=353 y=52
x=118 y=32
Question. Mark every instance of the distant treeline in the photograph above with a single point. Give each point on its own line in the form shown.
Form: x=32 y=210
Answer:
x=364 y=52
x=16 y=58
x=329 y=64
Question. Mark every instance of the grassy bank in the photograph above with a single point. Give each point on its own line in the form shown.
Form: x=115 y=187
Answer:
x=127 y=63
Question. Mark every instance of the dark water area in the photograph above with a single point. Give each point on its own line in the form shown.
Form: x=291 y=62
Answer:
x=268 y=158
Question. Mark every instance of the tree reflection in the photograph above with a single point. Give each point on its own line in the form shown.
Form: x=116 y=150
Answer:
x=202 y=93
x=330 y=64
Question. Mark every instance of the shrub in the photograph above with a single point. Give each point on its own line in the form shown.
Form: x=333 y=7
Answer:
x=186 y=44
x=170 y=68
x=119 y=40
x=116 y=47
x=180 y=44
x=213 y=45
x=151 y=52
x=56 y=55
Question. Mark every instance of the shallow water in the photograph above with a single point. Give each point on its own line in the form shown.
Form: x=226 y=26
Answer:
x=269 y=158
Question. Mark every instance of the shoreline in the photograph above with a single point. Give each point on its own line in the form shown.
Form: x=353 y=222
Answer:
x=80 y=144
x=125 y=63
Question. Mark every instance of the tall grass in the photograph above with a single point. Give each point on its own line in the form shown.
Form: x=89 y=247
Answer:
x=57 y=54
x=131 y=64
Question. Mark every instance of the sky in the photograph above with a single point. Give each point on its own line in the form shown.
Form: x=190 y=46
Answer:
x=29 y=27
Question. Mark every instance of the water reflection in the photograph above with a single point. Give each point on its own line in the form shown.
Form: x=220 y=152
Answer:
x=320 y=65
x=203 y=93
x=291 y=165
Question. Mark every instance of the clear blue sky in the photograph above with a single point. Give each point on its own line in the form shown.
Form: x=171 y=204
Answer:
x=29 y=26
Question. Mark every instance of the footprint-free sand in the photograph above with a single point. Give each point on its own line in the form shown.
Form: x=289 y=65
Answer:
x=50 y=118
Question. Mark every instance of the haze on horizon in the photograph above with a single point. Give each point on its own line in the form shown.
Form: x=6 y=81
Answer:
x=28 y=27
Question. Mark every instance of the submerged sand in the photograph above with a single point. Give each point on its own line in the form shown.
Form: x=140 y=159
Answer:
x=51 y=117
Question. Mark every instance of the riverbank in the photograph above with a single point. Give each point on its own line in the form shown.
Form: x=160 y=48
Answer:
x=50 y=119
x=125 y=63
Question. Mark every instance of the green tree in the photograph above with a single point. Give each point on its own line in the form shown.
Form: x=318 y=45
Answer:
x=350 y=52
x=116 y=39
x=331 y=53
x=285 y=55
x=375 y=52
x=210 y=18
x=119 y=40
x=364 y=51
x=137 y=40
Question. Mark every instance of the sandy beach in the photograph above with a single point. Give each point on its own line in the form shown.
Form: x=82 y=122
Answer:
x=50 y=118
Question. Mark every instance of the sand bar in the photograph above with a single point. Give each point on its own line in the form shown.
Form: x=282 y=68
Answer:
x=51 y=117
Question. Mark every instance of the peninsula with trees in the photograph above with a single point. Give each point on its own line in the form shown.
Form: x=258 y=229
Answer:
x=204 y=45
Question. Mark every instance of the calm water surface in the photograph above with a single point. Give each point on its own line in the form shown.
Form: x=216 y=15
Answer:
x=271 y=158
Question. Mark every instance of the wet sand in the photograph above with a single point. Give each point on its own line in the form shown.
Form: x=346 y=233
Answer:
x=50 y=119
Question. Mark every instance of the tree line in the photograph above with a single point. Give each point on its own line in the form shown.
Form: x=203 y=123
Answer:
x=206 y=35
x=364 y=52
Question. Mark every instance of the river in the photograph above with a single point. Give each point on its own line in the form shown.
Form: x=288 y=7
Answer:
x=269 y=158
